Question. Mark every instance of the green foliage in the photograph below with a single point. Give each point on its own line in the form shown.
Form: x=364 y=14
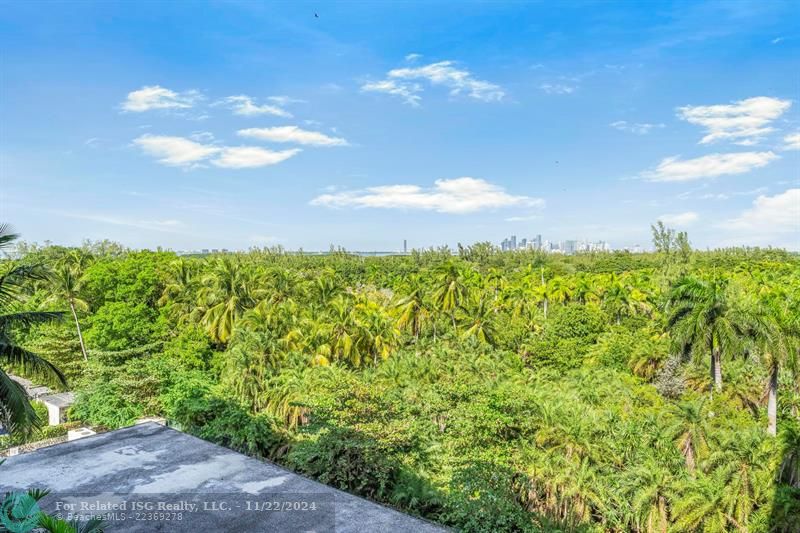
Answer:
x=191 y=348
x=122 y=325
x=488 y=391
x=483 y=499
x=566 y=337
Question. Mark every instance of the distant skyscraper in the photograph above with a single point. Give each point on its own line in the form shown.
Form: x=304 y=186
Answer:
x=513 y=242
x=405 y=246
x=537 y=242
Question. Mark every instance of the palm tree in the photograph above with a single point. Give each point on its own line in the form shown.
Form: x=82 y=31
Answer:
x=690 y=431
x=558 y=290
x=227 y=294
x=701 y=317
x=479 y=320
x=741 y=465
x=180 y=291
x=412 y=309
x=65 y=287
x=16 y=413
x=584 y=290
x=650 y=487
x=775 y=328
x=451 y=290
x=620 y=298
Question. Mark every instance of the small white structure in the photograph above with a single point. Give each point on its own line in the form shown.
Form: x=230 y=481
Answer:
x=79 y=433
x=57 y=405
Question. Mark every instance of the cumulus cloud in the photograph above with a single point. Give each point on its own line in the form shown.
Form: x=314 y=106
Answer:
x=679 y=219
x=175 y=151
x=251 y=157
x=708 y=166
x=772 y=214
x=639 y=128
x=459 y=196
x=403 y=82
x=770 y=221
x=183 y=152
x=245 y=106
x=744 y=122
x=292 y=134
x=409 y=92
x=157 y=97
x=557 y=88
x=792 y=141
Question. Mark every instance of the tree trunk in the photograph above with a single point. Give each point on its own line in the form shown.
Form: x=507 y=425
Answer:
x=541 y=272
x=78 y=327
x=717 y=371
x=772 y=403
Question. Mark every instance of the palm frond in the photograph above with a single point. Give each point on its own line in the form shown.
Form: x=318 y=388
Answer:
x=29 y=318
x=7 y=235
x=30 y=362
x=16 y=413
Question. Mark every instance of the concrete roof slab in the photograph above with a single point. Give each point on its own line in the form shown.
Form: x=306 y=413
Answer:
x=153 y=463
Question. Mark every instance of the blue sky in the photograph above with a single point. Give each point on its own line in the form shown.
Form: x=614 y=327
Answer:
x=238 y=124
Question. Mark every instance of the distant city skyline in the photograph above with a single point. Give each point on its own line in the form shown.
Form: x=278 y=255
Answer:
x=230 y=125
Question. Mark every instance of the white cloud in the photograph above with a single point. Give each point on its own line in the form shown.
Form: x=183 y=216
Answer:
x=413 y=57
x=406 y=91
x=157 y=97
x=251 y=157
x=245 y=105
x=401 y=82
x=679 y=219
x=639 y=128
x=175 y=151
x=708 y=166
x=182 y=152
x=292 y=134
x=459 y=195
x=744 y=122
x=557 y=88
x=771 y=218
x=202 y=136
x=792 y=141
x=776 y=213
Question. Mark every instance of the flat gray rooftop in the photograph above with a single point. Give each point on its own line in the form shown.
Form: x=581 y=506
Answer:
x=164 y=472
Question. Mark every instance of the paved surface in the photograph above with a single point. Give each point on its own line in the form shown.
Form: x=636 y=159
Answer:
x=143 y=477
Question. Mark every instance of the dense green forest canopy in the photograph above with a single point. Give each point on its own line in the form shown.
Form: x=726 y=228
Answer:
x=488 y=391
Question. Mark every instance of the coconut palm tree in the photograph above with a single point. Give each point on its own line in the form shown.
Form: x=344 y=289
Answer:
x=479 y=319
x=701 y=317
x=65 y=286
x=16 y=413
x=227 y=293
x=412 y=309
x=451 y=290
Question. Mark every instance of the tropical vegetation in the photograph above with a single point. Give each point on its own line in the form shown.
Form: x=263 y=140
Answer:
x=484 y=390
